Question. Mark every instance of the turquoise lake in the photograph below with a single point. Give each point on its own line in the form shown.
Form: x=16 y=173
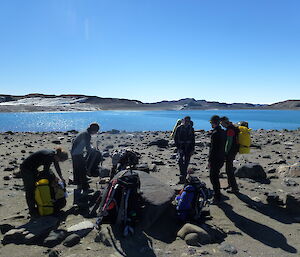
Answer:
x=143 y=120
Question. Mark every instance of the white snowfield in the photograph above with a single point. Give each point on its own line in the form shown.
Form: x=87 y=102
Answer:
x=41 y=101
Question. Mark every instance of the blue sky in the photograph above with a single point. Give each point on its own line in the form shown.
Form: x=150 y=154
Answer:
x=152 y=50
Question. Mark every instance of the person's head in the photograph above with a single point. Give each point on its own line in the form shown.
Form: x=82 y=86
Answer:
x=186 y=120
x=243 y=123
x=93 y=128
x=61 y=155
x=225 y=121
x=214 y=121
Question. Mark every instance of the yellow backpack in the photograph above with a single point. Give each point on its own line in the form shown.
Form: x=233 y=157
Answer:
x=244 y=139
x=43 y=197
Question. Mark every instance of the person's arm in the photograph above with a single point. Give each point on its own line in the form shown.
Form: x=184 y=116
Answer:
x=58 y=170
x=193 y=139
x=176 y=139
x=88 y=143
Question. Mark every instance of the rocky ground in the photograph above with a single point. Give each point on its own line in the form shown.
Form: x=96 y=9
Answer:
x=258 y=222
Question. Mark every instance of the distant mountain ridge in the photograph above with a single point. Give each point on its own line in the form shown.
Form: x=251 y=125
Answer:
x=76 y=102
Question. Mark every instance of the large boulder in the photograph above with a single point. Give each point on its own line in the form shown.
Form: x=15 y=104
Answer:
x=251 y=170
x=194 y=235
x=32 y=232
x=156 y=195
x=289 y=170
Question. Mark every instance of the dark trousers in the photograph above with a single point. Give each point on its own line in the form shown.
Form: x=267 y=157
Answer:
x=214 y=172
x=80 y=171
x=230 y=171
x=29 y=178
x=183 y=161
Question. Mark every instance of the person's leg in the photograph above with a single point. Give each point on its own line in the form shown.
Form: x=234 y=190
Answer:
x=230 y=173
x=214 y=179
x=181 y=165
x=29 y=179
x=187 y=161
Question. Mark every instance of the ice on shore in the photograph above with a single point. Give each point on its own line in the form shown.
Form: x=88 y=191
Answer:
x=41 y=101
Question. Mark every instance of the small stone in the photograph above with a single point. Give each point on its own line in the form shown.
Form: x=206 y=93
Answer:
x=7 y=177
x=57 y=142
x=54 y=253
x=228 y=248
x=71 y=240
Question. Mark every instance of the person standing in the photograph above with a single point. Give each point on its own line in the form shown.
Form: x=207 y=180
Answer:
x=216 y=156
x=185 y=142
x=81 y=144
x=29 y=170
x=231 y=149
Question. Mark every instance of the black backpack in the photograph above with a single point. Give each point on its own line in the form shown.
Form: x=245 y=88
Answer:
x=120 y=202
x=93 y=160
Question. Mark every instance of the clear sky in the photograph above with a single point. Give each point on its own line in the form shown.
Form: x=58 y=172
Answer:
x=152 y=50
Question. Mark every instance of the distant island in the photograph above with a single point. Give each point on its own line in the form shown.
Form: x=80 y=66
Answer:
x=40 y=102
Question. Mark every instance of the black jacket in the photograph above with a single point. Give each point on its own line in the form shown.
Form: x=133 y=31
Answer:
x=217 y=145
x=185 y=138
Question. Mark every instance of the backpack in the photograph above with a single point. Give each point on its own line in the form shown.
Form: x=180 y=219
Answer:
x=191 y=199
x=120 y=202
x=244 y=140
x=93 y=160
x=124 y=158
x=49 y=194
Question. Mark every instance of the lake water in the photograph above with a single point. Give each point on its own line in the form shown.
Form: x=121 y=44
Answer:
x=143 y=120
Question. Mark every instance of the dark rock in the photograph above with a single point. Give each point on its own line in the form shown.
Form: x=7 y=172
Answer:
x=251 y=170
x=9 y=132
x=105 y=154
x=71 y=240
x=194 y=235
x=103 y=237
x=9 y=168
x=7 y=177
x=289 y=182
x=293 y=202
x=158 y=162
x=192 y=239
x=228 y=248
x=173 y=157
x=280 y=161
x=109 y=147
x=4 y=228
x=143 y=167
x=54 y=253
x=104 y=172
x=163 y=143
x=55 y=237
x=23 y=151
x=200 y=144
x=266 y=156
x=273 y=199
x=73 y=131
x=270 y=171
x=57 y=142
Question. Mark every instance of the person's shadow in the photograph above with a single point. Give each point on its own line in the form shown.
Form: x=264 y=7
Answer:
x=260 y=232
x=275 y=212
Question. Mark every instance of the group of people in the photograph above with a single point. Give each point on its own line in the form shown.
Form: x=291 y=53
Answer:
x=223 y=148
x=37 y=165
